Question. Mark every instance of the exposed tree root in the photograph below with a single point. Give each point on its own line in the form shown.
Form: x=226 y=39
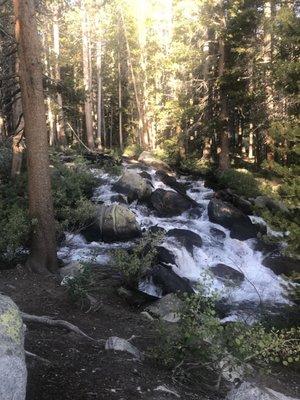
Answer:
x=58 y=323
x=38 y=358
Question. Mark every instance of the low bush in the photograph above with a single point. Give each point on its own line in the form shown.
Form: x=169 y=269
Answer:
x=78 y=286
x=135 y=262
x=241 y=181
x=202 y=339
x=133 y=150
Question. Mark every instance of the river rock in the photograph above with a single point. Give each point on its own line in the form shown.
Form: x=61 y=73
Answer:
x=227 y=274
x=165 y=255
x=249 y=391
x=168 y=281
x=167 y=308
x=168 y=203
x=146 y=175
x=171 y=181
x=225 y=214
x=113 y=223
x=217 y=233
x=186 y=238
x=133 y=186
x=282 y=264
x=71 y=270
x=13 y=373
x=118 y=198
x=148 y=158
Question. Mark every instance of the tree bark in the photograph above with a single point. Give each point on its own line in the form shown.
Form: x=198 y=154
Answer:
x=60 y=126
x=99 y=94
x=43 y=244
x=224 y=161
x=87 y=78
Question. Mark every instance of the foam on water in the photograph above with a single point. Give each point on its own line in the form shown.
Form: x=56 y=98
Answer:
x=260 y=284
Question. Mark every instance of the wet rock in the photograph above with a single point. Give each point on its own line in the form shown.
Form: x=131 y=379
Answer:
x=113 y=223
x=13 y=373
x=171 y=181
x=270 y=204
x=134 y=297
x=118 y=198
x=165 y=256
x=166 y=308
x=71 y=270
x=196 y=212
x=282 y=264
x=186 y=238
x=168 y=203
x=232 y=218
x=249 y=391
x=133 y=186
x=146 y=175
x=147 y=158
x=168 y=281
x=227 y=274
x=118 y=344
x=217 y=233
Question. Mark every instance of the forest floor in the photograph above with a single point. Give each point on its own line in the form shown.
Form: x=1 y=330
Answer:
x=83 y=370
x=80 y=369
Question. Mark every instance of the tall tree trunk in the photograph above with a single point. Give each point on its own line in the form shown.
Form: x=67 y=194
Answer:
x=99 y=94
x=60 y=125
x=269 y=11
x=87 y=77
x=43 y=245
x=120 y=102
x=224 y=161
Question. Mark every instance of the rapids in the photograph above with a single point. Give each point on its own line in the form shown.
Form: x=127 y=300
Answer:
x=260 y=286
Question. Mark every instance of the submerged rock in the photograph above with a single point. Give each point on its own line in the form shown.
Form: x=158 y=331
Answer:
x=227 y=274
x=282 y=264
x=217 y=233
x=13 y=373
x=133 y=186
x=113 y=223
x=186 y=238
x=225 y=214
x=168 y=203
x=147 y=158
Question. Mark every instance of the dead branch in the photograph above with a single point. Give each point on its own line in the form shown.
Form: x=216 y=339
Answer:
x=38 y=358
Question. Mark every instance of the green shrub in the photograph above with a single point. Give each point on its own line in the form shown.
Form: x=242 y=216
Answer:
x=135 y=262
x=75 y=219
x=14 y=232
x=112 y=169
x=78 y=286
x=241 y=181
x=201 y=338
x=133 y=150
x=5 y=160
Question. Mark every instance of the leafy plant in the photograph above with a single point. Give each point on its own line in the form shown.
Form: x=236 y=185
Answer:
x=241 y=181
x=135 y=262
x=78 y=286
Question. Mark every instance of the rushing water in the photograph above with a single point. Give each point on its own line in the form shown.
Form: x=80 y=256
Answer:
x=260 y=285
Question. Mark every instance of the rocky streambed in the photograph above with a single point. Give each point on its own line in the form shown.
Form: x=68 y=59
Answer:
x=206 y=239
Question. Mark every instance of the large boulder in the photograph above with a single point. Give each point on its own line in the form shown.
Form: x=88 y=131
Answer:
x=165 y=255
x=227 y=274
x=171 y=181
x=168 y=281
x=13 y=373
x=146 y=157
x=225 y=214
x=282 y=264
x=133 y=186
x=113 y=223
x=186 y=238
x=168 y=203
